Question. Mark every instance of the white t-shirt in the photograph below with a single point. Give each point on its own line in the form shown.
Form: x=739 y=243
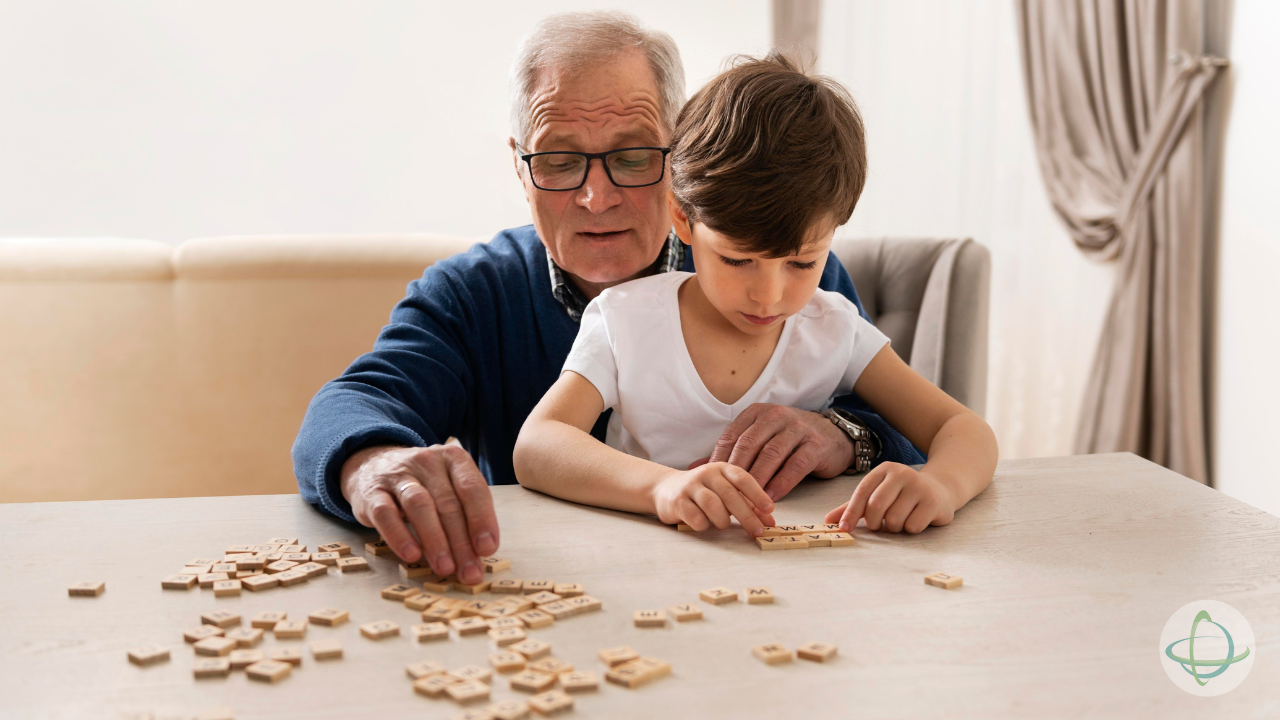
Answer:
x=631 y=348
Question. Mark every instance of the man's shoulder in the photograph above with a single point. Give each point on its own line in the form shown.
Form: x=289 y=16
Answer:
x=515 y=249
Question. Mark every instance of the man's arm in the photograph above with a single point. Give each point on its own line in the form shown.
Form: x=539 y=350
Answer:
x=410 y=392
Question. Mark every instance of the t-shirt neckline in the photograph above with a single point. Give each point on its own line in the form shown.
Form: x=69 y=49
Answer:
x=691 y=372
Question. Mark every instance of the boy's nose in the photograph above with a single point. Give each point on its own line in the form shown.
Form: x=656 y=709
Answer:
x=766 y=291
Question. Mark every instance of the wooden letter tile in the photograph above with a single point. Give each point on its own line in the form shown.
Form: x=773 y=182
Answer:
x=378 y=547
x=429 y=631
x=268 y=619
x=291 y=577
x=338 y=547
x=241 y=659
x=685 y=612
x=148 y=655
x=88 y=588
x=649 y=618
x=759 y=596
x=772 y=653
x=638 y=672
x=542 y=597
x=551 y=702
x=537 y=586
x=578 y=681
x=617 y=655
x=506 y=586
x=943 y=580
x=353 y=564
x=508 y=661
x=476 y=589
x=408 y=571
x=325 y=558
x=816 y=651
x=423 y=669
x=506 y=636
x=293 y=656
x=226 y=588
x=532 y=681
x=290 y=629
x=257 y=583
x=817 y=539
x=469 y=625
x=719 y=596
x=197 y=634
x=330 y=649
x=434 y=685
x=246 y=637
x=211 y=668
x=217 y=646
x=535 y=619
x=280 y=566
x=441 y=613
x=178 y=582
x=569 y=590
x=468 y=691
x=770 y=542
x=421 y=601
x=509 y=710
x=399 y=592
x=472 y=672
x=380 y=629
x=207 y=580
x=840 y=539
x=222 y=618
x=532 y=649
x=269 y=671
x=329 y=617
x=495 y=564
x=793 y=542
x=552 y=665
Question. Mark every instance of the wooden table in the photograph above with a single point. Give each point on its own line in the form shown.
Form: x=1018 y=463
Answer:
x=1071 y=568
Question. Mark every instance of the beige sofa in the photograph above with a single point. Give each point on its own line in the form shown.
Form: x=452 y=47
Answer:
x=132 y=368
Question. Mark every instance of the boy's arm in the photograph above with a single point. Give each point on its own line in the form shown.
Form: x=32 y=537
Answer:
x=961 y=447
x=556 y=454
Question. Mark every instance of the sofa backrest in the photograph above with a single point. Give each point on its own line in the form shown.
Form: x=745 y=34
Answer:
x=132 y=368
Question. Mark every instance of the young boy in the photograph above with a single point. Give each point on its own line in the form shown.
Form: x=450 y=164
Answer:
x=767 y=162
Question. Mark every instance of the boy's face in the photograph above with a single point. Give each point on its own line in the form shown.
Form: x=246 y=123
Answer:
x=754 y=292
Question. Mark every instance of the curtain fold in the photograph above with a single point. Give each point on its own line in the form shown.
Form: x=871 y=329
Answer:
x=1114 y=90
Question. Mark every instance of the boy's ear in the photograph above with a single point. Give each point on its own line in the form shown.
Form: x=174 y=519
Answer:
x=679 y=220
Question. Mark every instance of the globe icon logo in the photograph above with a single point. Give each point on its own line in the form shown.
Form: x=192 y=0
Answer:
x=1207 y=648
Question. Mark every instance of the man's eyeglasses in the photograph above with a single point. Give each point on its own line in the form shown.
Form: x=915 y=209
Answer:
x=626 y=167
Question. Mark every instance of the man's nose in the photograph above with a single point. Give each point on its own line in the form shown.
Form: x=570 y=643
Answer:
x=598 y=193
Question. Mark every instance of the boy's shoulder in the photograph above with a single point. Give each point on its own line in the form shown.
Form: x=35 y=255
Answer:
x=827 y=304
x=647 y=293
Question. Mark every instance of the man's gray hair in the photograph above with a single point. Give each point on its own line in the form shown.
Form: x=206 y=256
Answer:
x=574 y=40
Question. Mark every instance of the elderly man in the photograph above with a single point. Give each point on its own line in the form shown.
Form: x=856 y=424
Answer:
x=481 y=336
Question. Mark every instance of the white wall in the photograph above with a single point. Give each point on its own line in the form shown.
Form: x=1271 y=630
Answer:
x=1247 y=378
x=170 y=120
x=949 y=141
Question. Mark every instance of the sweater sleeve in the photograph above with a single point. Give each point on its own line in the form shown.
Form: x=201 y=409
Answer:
x=412 y=389
x=894 y=447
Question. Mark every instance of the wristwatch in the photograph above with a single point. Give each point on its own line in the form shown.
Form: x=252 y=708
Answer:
x=866 y=446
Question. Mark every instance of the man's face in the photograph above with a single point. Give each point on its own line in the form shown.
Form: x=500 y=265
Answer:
x=600 y=233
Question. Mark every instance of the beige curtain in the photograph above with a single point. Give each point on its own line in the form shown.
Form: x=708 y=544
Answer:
x=1114 y=88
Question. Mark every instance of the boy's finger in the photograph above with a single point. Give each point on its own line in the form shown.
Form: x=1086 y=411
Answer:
x=834 y=516
x=881 y=501
x=738 y=506
x=709 y=502
x=747 y=485
x=901 y=509
x=919 y=519
x=688 y=513
x=858 y=502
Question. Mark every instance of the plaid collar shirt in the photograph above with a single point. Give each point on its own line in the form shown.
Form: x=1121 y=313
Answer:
x=574 y=302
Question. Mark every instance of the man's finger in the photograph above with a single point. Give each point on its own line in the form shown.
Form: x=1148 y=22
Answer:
x=802 y=462
x=477 y=501
x=421 y=509
x=454 y=521
x=698 y=463
x=775 y=453
x=383 y=512
x=729 y=438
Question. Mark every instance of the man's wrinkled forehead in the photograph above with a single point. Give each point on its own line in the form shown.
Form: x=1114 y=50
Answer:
x=595 y=109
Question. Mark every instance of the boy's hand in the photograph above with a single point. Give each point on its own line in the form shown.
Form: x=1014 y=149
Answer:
x=896 y=497
x=709 y=495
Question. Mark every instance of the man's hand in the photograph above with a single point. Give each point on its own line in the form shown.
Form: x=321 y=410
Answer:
x=897 y=497
x=710 y=495
x=439 y=491
x=780 y=445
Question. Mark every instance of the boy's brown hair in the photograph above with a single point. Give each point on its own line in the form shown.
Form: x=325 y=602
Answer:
x=763 y=152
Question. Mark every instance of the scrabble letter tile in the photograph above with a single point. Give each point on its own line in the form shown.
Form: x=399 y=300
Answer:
x=270 y=671
x=649 y=618
x=816 y=651
x=943 y=580
x=148 y=655
x=380 y=630
x=89 y=588
x=685 y=612
x=759 y=596
x=719 y=596
x=772 y=653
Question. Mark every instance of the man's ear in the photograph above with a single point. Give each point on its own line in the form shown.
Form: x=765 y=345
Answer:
x=679 y=220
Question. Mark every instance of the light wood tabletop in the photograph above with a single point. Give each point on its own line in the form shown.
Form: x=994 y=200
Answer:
x=1071 y=568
